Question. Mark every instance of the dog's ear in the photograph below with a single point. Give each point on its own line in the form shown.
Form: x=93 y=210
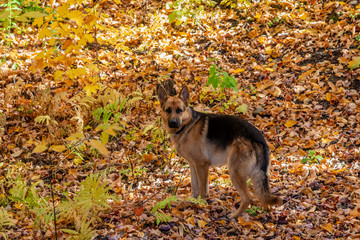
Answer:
x=184 y=95
x=162 y=95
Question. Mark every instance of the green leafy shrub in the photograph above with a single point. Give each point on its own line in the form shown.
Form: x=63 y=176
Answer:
x=222 y=79
x=312 y=158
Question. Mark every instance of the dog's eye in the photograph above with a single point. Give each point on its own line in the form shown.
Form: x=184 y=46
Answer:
x=179 y=110
x=168 y=110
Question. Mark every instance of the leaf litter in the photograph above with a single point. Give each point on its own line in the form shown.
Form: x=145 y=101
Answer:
x=296 y=67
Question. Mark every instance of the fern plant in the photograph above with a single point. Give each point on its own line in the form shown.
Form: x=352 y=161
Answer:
x=83 y=231
x=111 y=109
x=89 y=201
x=32 y=201
x=5 y=222
x=162 y=217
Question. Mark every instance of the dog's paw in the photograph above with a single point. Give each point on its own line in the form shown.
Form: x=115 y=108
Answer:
x=236 y=214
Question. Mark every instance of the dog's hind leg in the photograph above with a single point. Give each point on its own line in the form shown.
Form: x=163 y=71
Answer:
x=238 y=179
x=241 y=157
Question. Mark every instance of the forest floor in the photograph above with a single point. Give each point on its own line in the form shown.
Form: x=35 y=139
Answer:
x=298 y=78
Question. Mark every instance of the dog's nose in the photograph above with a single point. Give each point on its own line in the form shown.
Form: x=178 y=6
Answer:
x=173 y=124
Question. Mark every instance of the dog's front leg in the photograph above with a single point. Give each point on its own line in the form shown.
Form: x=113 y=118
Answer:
x=194 y=182
x=202 y=172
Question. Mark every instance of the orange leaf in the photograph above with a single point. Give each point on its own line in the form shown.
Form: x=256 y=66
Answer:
x=201 y=223
x=307 y=73
x=138 y=210
x=327 y=226
x=253 y=34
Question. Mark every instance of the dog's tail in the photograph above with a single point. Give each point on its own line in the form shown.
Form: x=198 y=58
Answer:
x=261 y=179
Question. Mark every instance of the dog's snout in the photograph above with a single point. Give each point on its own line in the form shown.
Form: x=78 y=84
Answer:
x=174 y=123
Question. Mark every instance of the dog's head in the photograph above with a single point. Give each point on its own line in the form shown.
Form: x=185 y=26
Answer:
x=175 y=110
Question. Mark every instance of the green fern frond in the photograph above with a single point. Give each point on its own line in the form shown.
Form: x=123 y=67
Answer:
x=42 y=119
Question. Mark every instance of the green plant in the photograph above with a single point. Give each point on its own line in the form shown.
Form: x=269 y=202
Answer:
x=311 y=158
x=253 y=211
x=29 y=198
x=222 y=79
x=162 y=217
x=18 y=11
x=89 y=201
x=83 y=231
x=112 y=109
x=184 y=9
x=5 y=221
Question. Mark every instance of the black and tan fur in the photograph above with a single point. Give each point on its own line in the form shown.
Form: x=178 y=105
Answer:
x=206 y=140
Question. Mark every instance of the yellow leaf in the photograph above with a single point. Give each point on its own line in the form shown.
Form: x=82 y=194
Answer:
x=258 y=15
x=51 y=41
x=99 y=146
x=269 y=69
x=242 y=108
x=303 y=16
x=268 y=50
x=261 y=40
x=328 y=97
x=63 y=10
x=57 y=148
x=239 y=70
x=77 y=161
x=91 y=88
x=57 y=75
x=327 y=226
x=201 y=223
x=40 y=148
x=172 y=155
x=38 y=21
x=45 y=32
x=191 y=220
x=76 y=16
x=290 y=123
x=111 y=132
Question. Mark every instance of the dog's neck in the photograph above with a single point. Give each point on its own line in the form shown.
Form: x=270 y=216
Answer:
x=181 y=130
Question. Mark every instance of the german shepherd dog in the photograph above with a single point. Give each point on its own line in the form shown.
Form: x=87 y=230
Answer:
x=206 y=140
